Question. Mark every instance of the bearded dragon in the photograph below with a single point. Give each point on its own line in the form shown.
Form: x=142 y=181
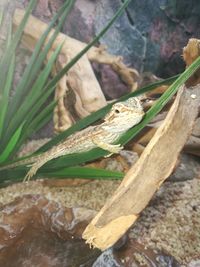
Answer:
x=122 y=116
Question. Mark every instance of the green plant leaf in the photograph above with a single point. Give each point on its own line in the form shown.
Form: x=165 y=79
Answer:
x=5 y=88
x=22 y=106
x=33 y=96
x=72 y=172
x=43 y=117
x=12 y=143
x=36 y=124
x=5 y=95
x=10 y=50
x=36 y=62
x=50 y=85
x=1 y=16
x=82 y=172
x=37 y=59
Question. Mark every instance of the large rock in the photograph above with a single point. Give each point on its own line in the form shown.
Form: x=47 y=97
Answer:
x=149 y=35
x=123 y=38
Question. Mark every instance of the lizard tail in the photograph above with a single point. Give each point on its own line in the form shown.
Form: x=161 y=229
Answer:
x=20 y=163
x=38 y=164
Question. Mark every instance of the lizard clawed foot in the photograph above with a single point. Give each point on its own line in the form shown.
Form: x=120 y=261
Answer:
x=107 y=146
x=114 y=149
x=30 y=174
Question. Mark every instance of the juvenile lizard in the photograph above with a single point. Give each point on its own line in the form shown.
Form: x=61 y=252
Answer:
x=122 y=116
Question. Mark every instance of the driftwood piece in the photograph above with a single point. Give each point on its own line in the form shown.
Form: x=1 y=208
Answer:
x=84 y=83
x=128 y=75
x=191 y=52
x=86 y=95
x=146 y=176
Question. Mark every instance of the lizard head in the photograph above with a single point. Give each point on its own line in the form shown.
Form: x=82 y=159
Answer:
x=124 y=115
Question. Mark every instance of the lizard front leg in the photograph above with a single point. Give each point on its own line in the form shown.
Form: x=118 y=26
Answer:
x=107 y=146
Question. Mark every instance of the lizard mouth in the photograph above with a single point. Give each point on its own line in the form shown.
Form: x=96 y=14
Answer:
x=139 y=112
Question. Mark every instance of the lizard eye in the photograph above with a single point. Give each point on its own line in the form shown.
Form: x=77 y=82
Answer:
x=117 y=111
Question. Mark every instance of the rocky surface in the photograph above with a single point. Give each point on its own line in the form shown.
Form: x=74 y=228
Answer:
x=171 y=222
x=39 y=232
x=150 y=34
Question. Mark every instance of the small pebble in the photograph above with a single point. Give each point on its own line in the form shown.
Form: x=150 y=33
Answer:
x=193 y=96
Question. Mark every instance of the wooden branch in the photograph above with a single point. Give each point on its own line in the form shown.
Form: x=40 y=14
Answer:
x=128 y=75
x=146 y=176
x=80 y=76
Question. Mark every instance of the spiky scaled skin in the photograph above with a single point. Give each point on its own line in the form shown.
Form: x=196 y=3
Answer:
x=123 y=116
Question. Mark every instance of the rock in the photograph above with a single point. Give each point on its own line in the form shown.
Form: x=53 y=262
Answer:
x=187 y=169
x=111 y=84
x=80 y=22
x=37 y=232
x=134 y=254
x=122 y=38
x=150 y=35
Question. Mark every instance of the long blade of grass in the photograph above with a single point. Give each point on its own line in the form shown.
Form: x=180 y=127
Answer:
x=1 y=16
x=71 y=172
x=32 y=98
x=5 y=97
x=38 y=105
x=10 y=50
x=42 y=117
x=82 y=172
x=12 y=143
x=34 y=94
x=39 y=121
x=5 y=88
x=37 y=59
x=17 y=100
